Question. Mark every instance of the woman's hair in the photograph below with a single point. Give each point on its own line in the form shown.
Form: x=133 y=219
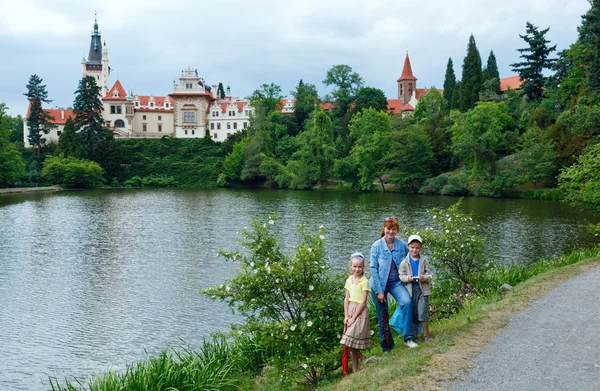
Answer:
x=389 y=222
x=356 y=255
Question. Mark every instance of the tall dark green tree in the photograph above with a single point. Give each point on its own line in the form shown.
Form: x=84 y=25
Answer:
x=88 y=114
x=589 y=38
x=449 y=83
x=472 y=77
x=369 y=97
x=536 y=58
x=69 y=142
x=491 y=72
x=307 y=99
x=11 y=163
x=221 y=91
x=38 y=121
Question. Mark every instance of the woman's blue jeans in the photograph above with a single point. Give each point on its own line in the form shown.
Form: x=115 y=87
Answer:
x=400 y=293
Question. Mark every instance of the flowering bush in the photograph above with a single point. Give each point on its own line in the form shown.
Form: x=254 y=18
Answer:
x=292 y=304
x=457 y=251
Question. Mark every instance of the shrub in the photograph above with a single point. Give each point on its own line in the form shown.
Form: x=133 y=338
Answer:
x=287 y=300
x=136 y=181
x=73 y=172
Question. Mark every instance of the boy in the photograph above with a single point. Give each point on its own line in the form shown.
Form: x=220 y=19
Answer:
x=415 y=272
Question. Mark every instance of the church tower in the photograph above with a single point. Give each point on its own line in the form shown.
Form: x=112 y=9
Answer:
x=96 y=64
x=407 y=82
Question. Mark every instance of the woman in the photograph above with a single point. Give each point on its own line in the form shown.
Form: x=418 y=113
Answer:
x=386 y=255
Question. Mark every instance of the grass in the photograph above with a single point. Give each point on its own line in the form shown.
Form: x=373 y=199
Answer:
x=459 y=338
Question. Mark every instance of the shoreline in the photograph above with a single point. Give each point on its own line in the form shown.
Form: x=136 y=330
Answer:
x=21 y=190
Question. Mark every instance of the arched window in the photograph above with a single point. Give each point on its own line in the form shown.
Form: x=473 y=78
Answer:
x=119 y=123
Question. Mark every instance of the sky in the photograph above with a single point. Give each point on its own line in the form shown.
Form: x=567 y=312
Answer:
x=248 y=43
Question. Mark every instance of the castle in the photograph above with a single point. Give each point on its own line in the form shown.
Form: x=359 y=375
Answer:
x=193 y=109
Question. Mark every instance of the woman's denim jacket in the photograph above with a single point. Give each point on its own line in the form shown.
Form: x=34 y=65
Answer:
x=381 y=262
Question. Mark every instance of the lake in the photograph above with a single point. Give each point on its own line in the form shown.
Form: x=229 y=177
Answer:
x=92 y=280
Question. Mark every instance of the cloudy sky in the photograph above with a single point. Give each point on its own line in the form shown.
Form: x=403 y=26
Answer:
x=248 y=43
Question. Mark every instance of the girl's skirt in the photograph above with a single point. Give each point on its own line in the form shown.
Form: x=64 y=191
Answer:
x=358 y=336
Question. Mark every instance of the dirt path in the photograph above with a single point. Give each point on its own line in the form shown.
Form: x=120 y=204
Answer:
x=17 y=190
x=552 y=345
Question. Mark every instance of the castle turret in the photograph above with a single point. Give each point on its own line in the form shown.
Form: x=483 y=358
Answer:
x=97 y=61
x=407 y=82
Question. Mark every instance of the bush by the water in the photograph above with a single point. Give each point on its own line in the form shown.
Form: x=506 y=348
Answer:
x=73 y=172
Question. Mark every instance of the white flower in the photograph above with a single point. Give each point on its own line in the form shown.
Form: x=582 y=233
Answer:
x=277 y=280
x=304 y=366
x=339 y=336
x=309 y=323
x=251 y=264
x=447 y=231
x=449 y=218
x=311 y=288
x=372 y=332
x=321 y=237
x=240 y=332
x=221 y=286
x=271 y=222
x=321 y=227
x=286 y=337
x=227 y=288
x=264 y=226
x=293 y=327
x=310 y=250
x=255 y=271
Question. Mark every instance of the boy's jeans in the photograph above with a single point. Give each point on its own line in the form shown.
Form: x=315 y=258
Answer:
x=400 y=293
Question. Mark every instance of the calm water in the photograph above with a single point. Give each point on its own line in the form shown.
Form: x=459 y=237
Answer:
x=92 y=280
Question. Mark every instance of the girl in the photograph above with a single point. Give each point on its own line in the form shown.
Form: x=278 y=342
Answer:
x=356 y=314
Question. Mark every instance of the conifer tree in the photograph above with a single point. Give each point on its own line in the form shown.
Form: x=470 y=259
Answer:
x=589 y=37
x=472 y=77
x=449 y=83
x=220 y=91
x=88 y=114
x=306 y=100
x=491 y=72
x=535 y=60
x=38 y=121
x=69 y=142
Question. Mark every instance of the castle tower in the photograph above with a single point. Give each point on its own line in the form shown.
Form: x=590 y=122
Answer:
x=190 y=102
x=407 y=82
x=96 y=64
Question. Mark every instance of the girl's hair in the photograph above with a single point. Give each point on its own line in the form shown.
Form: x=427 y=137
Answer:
x=389 y=222
x=356 y=255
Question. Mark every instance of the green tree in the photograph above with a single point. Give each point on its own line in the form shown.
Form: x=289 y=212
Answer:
x=536 y=157
x=221 y=91
x=11 y=163
x=346 y=84
x=266 y=100
x=489 y=91
x=15 y=129
x=589 y=38
x=449 y=84
x=430 y=105
x=38 y=121
x=481 y=135
x=73 y=172
x=369 y=97
x=536 y=58
x=491 y=74
x=88 y=114
x=472 y=77
x=307 y=99
x=580 y=183
x=410 y=158
x=574 y=130
x=69 y=141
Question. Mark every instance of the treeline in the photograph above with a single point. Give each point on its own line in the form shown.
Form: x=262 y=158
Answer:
x=472 y=139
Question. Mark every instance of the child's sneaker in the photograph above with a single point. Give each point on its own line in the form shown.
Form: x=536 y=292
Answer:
x=410 y=343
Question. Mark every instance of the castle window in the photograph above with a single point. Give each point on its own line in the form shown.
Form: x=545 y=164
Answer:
x=186 y=131
x=160 y=118
x=193 y=131
x=235 y=125
x=119 y=123
x=137 y=104
x=58 y=133
x=189 y=116
x=232 y=113
x=245 y=125
x=108 y=124
x=167 y=105
x=219 y=126
x=144 y=117
x=228 y=125
x=144 y=127
x=151 y=104
x=212 y=126
x=215 y=135
x=159 y=127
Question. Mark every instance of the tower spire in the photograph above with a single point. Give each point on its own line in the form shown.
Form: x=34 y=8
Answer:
x=407 y=73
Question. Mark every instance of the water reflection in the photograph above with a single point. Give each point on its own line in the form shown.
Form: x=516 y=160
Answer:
x=88 y=280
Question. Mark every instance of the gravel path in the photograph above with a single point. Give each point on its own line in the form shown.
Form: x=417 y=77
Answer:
x=553 y=345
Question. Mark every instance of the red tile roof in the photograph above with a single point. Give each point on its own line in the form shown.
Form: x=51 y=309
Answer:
x=512 y=82
x=159 y=101
x=395 y=107
x=60 y=116
x=422 y=91
x=120 y=91
x=407 y=73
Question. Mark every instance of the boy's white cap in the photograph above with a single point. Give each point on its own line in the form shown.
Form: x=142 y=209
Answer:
x=412 y=238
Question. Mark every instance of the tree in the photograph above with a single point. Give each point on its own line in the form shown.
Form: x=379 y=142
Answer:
x=220 y=91
x=535 y=60
x=73 y=172
x=369 y=97
x=346 y=84
x=15 y=128
x=589 y=38
x=38 y=121
x=491 y=74
x=410 y=158
x=88 y=114
x=449 y=84
x=430 y=105
x=472 y=77
x=307 y=100
x=480 y=135
x=536 y=156
x=580 y=183
x=69 y=141
x=266 y=100
x=11 y=163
